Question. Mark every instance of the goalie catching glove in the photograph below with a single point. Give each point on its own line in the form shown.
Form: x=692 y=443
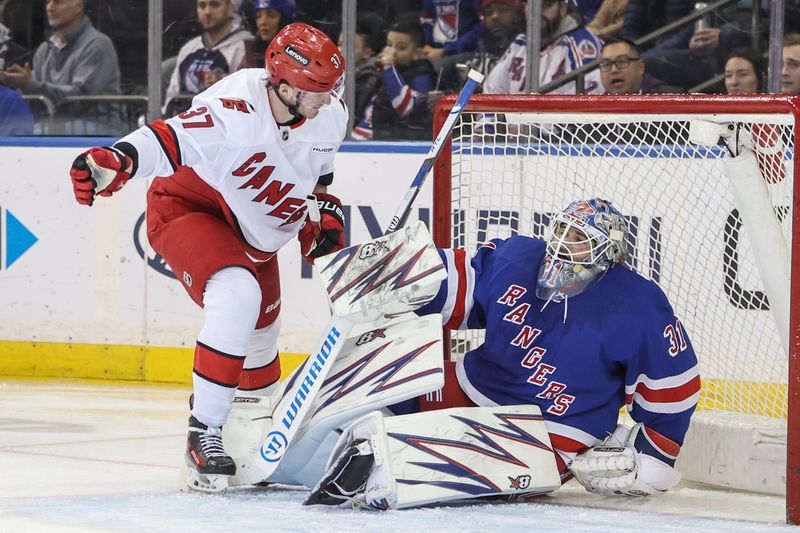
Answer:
x=100 y=171
x=616 y=468
x=326 y=235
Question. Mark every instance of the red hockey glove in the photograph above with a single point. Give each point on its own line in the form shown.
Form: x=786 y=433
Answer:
x=102 y=171
x=327 y=235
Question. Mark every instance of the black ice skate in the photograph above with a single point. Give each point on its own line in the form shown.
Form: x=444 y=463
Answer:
x=209 y=465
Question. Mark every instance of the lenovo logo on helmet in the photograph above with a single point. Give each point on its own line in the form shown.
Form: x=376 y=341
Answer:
x=297 y=56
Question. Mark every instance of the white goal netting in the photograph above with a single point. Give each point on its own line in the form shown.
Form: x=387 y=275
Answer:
x=510 y=172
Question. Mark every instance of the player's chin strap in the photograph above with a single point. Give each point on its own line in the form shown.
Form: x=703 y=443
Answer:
x=291 y=107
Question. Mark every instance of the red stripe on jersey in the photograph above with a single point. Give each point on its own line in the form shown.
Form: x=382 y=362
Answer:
x=669 y=395
x=459 y=259
x=666 y=445
x=566 y=444
x=404 y=106
x=168 y=141
x=261 y=377
x=298 y=123
x=217 y=367
x=562 y=467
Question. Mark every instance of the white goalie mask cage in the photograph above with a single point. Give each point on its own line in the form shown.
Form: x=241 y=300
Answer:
x=583 y=243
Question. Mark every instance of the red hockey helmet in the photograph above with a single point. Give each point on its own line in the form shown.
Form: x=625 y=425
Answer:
x=306 y=58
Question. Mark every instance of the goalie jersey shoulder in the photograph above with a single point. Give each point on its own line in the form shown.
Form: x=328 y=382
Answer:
x=579 y=360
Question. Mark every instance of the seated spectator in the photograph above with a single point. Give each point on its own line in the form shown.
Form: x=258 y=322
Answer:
x=790 y=71
x=399 y=110
x=587 y=9
x=556 y=21
x=622 y=71
x=645 y=16
x=693 y=54
x=745 y=72
x=503 y=20
x=15 y=115
x=368 y=42
x=270 y=16
x=75 y=59
x=450 y=28
x=11 y=52
x=204 y=60
x=608 y=21
x=567 y=52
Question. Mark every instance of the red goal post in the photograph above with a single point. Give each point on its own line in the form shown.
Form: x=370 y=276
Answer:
x=513 y=160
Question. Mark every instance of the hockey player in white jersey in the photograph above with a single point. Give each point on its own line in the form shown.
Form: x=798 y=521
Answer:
x=232 y=178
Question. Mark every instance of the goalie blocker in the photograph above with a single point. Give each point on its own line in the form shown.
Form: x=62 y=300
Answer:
x=439 y=456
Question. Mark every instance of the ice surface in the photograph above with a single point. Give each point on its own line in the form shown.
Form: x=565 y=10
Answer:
x=87 y=457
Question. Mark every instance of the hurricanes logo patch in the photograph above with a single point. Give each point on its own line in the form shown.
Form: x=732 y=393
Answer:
x=297 y=56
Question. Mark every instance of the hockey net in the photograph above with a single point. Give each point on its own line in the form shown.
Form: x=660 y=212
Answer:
x=515 y=160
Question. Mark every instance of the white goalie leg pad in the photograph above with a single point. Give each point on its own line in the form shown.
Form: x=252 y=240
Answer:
x=453 y=454
x=377 y=367
x=616 y=468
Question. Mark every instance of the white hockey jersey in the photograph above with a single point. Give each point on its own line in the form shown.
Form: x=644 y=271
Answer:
x=262 y=171
x=195 y=59
x=569 y=52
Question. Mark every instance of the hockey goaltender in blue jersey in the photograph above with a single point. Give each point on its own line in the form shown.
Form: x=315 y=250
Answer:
x=580 y=359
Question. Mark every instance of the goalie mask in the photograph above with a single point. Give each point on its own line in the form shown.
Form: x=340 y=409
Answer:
x=584 y=242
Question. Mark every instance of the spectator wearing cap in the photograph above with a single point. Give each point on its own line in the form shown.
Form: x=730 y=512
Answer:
x=270 y=17
x=502 y=20
x=565 y=47
x=74 y=60
x=205 y=59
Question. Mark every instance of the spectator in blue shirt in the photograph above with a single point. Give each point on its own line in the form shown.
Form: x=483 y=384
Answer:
x=15 y=115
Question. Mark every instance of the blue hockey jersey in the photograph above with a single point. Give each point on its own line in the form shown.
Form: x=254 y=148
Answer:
x=619 y=343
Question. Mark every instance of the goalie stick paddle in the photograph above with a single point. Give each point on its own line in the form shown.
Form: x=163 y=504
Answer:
x=306 y=382
x=474 y=79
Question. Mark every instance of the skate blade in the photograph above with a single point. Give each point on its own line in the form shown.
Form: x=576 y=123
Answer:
x=194 y=481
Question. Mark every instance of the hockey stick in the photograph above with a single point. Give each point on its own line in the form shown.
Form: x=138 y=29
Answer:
x=474 y=78
x=300 y=392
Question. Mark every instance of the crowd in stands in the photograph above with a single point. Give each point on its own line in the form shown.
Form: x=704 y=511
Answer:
x=407 y=53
